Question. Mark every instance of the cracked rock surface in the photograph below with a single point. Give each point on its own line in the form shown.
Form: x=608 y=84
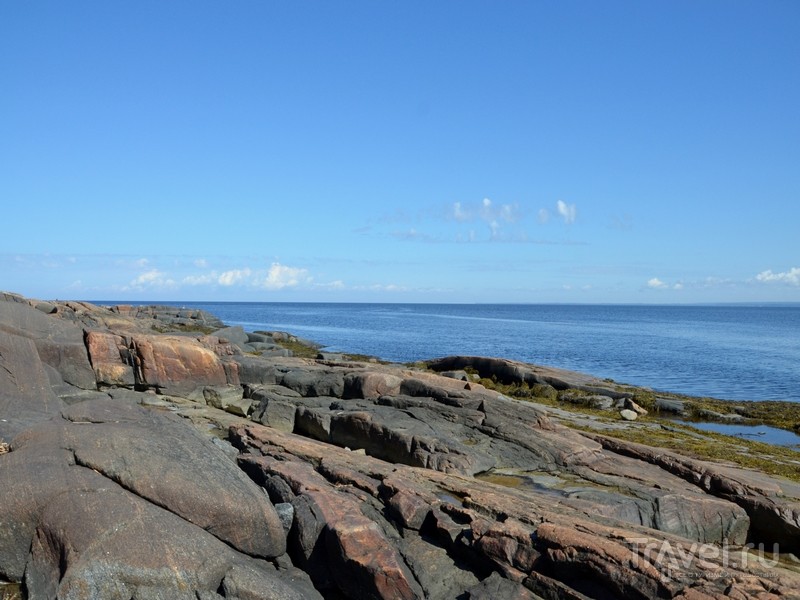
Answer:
x=151 y=452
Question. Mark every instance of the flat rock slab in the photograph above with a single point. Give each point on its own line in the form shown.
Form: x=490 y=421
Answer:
x=106 y=543
x=25 y=393
x=164 y=460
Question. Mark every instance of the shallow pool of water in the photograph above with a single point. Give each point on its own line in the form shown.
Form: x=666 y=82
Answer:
x=760 y=433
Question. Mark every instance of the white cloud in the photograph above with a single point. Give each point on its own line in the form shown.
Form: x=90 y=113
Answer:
x=656 y=284
x=567 y=211
x=790 y=277
x=151 y=279
x=280 y=276
x=233 y=276
x=544 y=215
x=201 y=263
x=142 y=262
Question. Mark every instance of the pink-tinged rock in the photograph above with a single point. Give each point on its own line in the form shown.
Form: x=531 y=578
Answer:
x=372 y=384
x=361 y=560
x=175 y=361
x=110 y=358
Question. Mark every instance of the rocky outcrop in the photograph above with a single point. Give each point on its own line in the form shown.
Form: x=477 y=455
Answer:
x=345 y=479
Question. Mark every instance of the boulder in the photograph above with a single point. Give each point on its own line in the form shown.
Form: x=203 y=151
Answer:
x=59 y=343
x=164 y=460
x=229 y=398
x=111 y=358
x=177 y=364
x=108 y=543
x=234 y=335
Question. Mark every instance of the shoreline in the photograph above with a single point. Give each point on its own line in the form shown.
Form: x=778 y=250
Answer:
x=331 y=475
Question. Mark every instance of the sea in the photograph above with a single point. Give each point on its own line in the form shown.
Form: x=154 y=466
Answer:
x=728 y=351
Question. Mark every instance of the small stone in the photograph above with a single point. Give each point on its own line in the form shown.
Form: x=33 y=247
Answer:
x=628 y=414
x=285 y=512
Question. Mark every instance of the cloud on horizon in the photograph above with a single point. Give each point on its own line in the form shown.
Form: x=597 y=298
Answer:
x=656 y=284
x=790 y=277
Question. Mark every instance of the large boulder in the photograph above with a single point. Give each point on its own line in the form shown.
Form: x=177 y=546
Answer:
x=162 y=459
x=112 y=359
x=177 y=364
x=107 y=543
x=59 y=343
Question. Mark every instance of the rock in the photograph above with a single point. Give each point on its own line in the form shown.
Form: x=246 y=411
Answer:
x=285 y=512
x=495 y=586
x=631 y=405
x=160 y=458
x=58 y=343
x=108 y=543
x=111 y=358
x=253 y=370
x=628 y=415
x=25 y=393
x=548 y=547
x=370 y=384
x=357 y=556
x=101 y=497
x=234 y=335
x=670 y=405
x=460 y=375
x=229 y=398
x=177 y=365
x=314 y=382
x=274 y=405
x=597 y=401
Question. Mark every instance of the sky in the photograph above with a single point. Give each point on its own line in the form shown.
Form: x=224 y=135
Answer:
x=406 y=151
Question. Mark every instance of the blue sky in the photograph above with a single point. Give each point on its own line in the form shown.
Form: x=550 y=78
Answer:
x=401 y=151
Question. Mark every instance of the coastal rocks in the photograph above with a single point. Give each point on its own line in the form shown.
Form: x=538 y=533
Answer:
x=170 y=317
x=177 y=364
x=107 y=543
x=513 y=372
x=112 y=358
x=772 y=505
x=59 y=343
x=628 y=415
x=25 y=393
x=157 y=457
x=429 y=526
x=378 y=481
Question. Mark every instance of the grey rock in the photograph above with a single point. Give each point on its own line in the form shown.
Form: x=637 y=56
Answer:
x=314 y=383
x=460 y=375
x=285 y=512
x=234 y=335
x=25 y=394
x=58 y=343
x=161 y=458
x=670 y=405
x=228 y=398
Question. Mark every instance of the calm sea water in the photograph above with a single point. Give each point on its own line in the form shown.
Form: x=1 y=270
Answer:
x=737 y=352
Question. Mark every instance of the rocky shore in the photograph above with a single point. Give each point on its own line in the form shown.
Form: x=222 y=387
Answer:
x=154 y=453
